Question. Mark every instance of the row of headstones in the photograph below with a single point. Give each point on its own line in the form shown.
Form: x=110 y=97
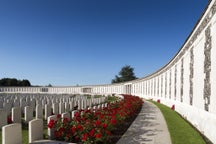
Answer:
x=35 y=128
x=26 y=101
x=56 y=108
x=47 y=97
x=7 y=104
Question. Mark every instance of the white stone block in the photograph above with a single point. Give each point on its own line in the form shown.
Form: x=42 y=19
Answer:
x=3 y=118
x=1 y=104
x=16 y=115
x=39 y=112
x=7 y=107
x=28 y=113
x=12 y=134
x=51 y=131
x=35 y=130
x=33 y=104
x=65 y=115
x=71 y=105
x=73 y=113
x=61 y=108
x=55 y=107
x=47 y=111
x=16 y=103
x=67 y=107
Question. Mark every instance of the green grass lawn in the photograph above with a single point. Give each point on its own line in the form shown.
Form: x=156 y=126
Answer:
x=181 y=131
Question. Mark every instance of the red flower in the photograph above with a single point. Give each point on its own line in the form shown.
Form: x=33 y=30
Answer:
x=85 y=137
x=73 y=129
x=51 y=123
x=58 y=116
x=92 y=132
x=173 y=107
x=113 y=121
x=65 y=120
x=9 y=120
x=98 y=135
x=101 y=116
x=80 y=127
x=77 y=114
x=105 y=126
x=98 y=123
x=108 y=132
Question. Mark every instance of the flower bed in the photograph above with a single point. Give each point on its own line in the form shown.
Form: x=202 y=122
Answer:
x=95 y=126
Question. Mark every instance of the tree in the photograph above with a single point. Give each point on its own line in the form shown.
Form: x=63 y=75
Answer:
x=126 y=74
x=14 y=82
x=25 y=83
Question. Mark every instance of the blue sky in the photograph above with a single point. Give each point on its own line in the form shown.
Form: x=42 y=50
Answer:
x=70 y=42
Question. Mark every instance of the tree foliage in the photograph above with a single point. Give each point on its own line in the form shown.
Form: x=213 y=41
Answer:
x=14 y=82
x=126 y=74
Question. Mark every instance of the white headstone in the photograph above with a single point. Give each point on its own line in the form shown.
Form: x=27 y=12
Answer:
x=55 y=107
x=67 y=107
x=1 y=104
x=12 y=134
x=65 y=115
x=35 y=130
x=16 y=115
x=51 y=131
x=43 y=103
x=7 y=107
x=61 y=108
x=16 y=103
x=47 y=111
x=28 y=113
x=33 y=103
x=71 y=105
x=39 y=112
x=73 y=113
x=3 y=118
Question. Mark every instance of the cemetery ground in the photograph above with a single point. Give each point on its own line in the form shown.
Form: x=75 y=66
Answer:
x=181 y=131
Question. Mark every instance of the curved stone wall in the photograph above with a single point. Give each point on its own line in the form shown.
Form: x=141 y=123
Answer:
x=188 y=81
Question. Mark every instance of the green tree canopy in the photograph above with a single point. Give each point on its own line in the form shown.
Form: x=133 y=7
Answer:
x=126 y=74
x=14 y=82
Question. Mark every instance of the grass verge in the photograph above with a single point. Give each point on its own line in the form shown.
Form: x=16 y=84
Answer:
x=181 y=131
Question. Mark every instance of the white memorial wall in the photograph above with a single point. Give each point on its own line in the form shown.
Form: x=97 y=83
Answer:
x=188 y=81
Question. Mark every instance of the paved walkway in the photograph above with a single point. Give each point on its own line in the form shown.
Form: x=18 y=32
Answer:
x=148 y=128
